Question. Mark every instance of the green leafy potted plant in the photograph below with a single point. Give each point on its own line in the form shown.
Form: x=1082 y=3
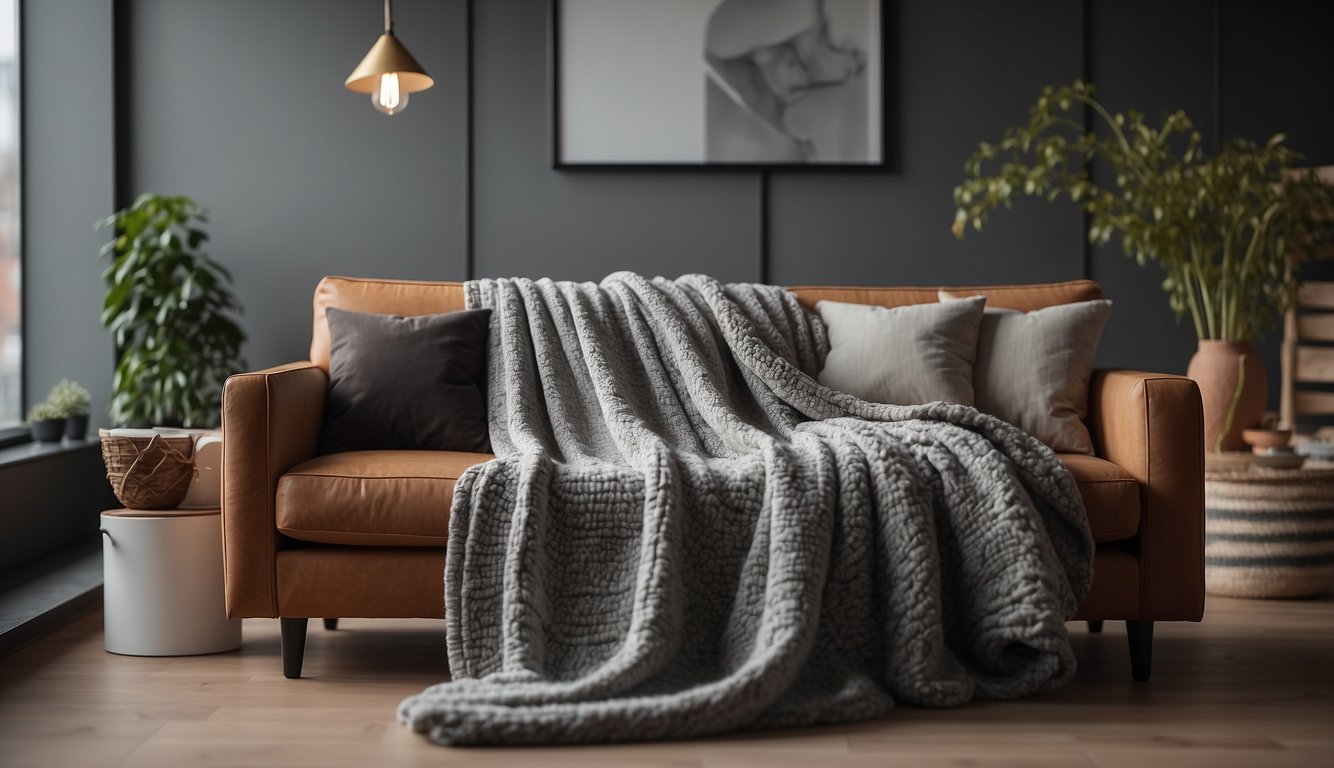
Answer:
x=172 y=312
x=73 y=402
x=46 y=423
x=1227 y=228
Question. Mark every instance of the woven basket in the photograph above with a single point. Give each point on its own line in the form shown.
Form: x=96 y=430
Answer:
x=1269 y=533
x=149 y=472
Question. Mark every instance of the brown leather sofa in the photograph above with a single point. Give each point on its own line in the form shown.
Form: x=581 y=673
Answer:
x=362 y=534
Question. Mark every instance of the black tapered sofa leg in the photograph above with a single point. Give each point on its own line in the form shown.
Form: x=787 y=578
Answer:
x=1095 y=625
x=294 y=646
x=331 y=624
x=1140 y=635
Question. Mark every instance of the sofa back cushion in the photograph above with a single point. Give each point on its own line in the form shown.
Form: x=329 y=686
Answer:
x=421 y=297
x=407 y=298
x=1021 y=298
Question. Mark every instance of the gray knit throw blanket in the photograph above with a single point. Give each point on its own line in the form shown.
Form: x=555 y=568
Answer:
x=684 y=534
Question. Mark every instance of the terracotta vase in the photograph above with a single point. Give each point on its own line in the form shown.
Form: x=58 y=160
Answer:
x=1215 y=367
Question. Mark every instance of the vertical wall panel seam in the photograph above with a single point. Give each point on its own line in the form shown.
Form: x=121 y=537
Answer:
x=122 y=123
x=1218 y=76
x=469 y=206
x=120 y=106
x=764 y=226
x=1086 y=74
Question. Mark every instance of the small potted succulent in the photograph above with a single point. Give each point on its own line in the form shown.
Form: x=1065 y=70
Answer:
x=73 y=401
x=46 y=422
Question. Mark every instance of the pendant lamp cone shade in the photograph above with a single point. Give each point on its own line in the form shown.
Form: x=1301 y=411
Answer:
x=388 y=55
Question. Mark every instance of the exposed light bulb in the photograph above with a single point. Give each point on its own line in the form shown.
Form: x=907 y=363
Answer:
x=387 y=97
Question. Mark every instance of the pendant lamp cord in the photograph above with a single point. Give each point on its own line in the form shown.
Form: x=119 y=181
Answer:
x=388 y=17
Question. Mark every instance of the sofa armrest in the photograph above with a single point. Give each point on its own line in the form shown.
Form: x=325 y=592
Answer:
x=1152 y=426
x=271 y=420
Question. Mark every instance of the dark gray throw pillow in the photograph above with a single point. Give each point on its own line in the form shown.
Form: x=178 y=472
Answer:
x=407 y=383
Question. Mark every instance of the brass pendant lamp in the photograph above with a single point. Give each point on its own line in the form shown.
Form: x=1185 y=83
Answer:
x=388 y=72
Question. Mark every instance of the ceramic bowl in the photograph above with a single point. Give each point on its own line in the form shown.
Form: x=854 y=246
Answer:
x=1266 y=438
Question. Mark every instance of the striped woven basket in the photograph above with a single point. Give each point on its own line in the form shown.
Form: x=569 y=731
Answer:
x=1269 y=533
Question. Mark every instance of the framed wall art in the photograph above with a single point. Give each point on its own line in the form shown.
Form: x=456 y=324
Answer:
x=717 y=83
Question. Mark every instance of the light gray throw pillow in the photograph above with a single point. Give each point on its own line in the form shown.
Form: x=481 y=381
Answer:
x=1033 y=369
x=902 y=355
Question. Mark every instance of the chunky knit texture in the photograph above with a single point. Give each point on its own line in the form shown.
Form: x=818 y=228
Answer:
x=684 y=534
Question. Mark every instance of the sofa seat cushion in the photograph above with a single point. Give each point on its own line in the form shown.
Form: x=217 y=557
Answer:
x=402 y=498
x=1110 y=494
x=372 y=498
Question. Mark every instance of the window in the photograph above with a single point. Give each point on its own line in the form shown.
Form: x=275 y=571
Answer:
x=11 y=314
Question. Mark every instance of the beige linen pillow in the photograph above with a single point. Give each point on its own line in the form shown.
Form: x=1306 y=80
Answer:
x=1033 y=369
x=902 y=355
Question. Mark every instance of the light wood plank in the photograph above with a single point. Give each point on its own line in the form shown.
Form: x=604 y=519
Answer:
x=1316 y=294
x=1314 y=402
x=942 y=756
x=1316 y=326
x=1209 y=758
x=1315 y=365
x=1251 y=685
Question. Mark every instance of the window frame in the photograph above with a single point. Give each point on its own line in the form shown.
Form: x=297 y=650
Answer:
x=20 y=433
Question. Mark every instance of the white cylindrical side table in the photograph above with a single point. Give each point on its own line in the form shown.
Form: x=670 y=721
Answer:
x=162 y=589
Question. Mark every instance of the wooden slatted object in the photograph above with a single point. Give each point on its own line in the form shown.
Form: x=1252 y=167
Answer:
x=1307 y=326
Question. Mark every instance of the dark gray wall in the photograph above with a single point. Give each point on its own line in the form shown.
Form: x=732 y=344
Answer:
x=1156 y=67
x=69 y=183
x=241 y=105
x=961 y=79
x=1249 y=69
x=1238 y=68
x=51 y=501
x=534 y=221
x=1278 y=73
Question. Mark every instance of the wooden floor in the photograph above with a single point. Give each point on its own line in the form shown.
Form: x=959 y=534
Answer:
x=1251 y=686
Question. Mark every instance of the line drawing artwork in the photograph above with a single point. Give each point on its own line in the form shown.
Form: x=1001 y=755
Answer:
x=764 y=57
x=718 y=83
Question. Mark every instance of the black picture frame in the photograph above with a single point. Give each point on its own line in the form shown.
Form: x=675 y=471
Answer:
x=887 y=68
